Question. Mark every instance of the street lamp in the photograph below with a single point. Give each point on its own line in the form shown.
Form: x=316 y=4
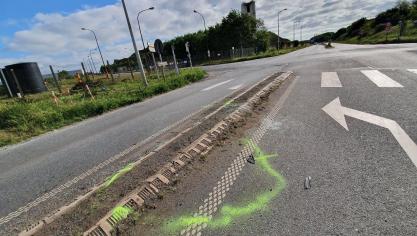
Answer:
x=98 y=47
x=205 y=28
x=140 y=30
x=92 y=61
x=139 y=60
x=279 y=43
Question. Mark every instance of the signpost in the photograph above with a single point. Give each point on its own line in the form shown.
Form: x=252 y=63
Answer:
x=159 y=48
x=152 y=50
x=388 y=29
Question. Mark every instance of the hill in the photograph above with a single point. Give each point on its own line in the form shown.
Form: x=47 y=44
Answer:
x=395 y=25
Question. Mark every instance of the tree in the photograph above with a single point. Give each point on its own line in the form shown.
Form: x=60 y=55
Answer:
x=64 y=74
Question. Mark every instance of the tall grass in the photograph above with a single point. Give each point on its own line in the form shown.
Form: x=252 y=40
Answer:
x=37 y=114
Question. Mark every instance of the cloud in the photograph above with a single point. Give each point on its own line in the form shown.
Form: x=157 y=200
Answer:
x=56 y=38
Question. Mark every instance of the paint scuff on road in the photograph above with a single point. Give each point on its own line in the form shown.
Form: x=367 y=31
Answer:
x=229 y=213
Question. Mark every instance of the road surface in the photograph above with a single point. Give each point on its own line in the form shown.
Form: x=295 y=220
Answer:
x=347 y=124
x=363 y=180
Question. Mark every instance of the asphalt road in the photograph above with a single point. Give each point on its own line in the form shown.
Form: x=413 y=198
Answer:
x=363 y=180
x=32 y=169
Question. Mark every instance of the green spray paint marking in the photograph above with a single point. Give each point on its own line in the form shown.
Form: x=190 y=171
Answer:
x=229 y=213
x=110 y=180
x=120 y=213
x=229 y=103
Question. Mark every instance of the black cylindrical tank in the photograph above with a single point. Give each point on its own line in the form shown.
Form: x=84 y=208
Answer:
x=28 y=75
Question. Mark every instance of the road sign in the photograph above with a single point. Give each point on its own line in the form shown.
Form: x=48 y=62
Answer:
x=159 y=46
x=151 y=48
x=335 y=110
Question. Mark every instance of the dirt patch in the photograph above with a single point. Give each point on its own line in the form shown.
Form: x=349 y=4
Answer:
x=92 y=209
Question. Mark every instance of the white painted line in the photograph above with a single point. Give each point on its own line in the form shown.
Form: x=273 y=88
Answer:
x=412 y=71
x=330 y=80
x=380 y=79
x=217 y=85
x=236 y=87
x=338 y=113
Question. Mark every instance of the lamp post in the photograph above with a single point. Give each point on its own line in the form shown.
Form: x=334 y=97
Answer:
x=92 y=61
x=279 y=42
x=139 y=60
x=205 y=28
x=140 y=29
x=98 y=47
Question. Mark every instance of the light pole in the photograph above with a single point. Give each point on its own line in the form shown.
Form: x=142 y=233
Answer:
x=140 y=30
x=98 y=47
x=139 y=60
x=279 y=12
x=205 y=28
x=92 y=61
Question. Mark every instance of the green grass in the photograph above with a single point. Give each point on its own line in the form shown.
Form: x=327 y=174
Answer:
x=409 y=36
x=38 y=114
x=269 y=53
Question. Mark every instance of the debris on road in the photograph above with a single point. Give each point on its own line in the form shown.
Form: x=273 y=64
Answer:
x=251 y=159
x=307 y=183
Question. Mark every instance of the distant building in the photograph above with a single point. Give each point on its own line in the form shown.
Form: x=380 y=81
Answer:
x=249 y=8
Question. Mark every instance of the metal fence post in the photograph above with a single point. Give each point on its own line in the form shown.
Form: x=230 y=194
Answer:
x=109 y=69
x=17 y=83
x=175 y=60
x=55 y=79
x=85 y=73
x=5 y=83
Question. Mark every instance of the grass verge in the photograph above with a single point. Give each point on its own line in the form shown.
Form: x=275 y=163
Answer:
x=21 y=119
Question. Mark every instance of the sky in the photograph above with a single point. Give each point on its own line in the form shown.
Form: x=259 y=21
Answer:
x=49 y=31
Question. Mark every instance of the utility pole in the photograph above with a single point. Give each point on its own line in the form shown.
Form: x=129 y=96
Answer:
x=98 y=47
x=139 y=60
x=279 y=43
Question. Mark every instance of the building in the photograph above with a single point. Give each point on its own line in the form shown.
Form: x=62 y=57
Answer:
x=249 y=8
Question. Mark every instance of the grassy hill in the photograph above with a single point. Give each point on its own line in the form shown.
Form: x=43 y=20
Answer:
x=396 y=25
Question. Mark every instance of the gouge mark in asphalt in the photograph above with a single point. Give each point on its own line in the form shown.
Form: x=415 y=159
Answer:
x=229 y=213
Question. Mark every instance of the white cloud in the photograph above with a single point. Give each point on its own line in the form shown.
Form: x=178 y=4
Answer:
x=57 y=39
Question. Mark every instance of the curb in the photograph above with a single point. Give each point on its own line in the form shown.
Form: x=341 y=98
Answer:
x=154 y=184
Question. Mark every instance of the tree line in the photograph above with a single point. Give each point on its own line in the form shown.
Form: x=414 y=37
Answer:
x=235 y=30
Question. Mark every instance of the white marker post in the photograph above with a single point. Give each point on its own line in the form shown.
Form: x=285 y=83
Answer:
x=335 y=110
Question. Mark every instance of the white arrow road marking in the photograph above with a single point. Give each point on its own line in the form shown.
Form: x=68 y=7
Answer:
x=380 y=79
x=236 y=87
x=413 y=71
x=338 y=113
x=330 y=80
x=217 y=85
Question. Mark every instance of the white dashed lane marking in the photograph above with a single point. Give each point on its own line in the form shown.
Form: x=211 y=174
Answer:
x=217 y=85
x=236 y=87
